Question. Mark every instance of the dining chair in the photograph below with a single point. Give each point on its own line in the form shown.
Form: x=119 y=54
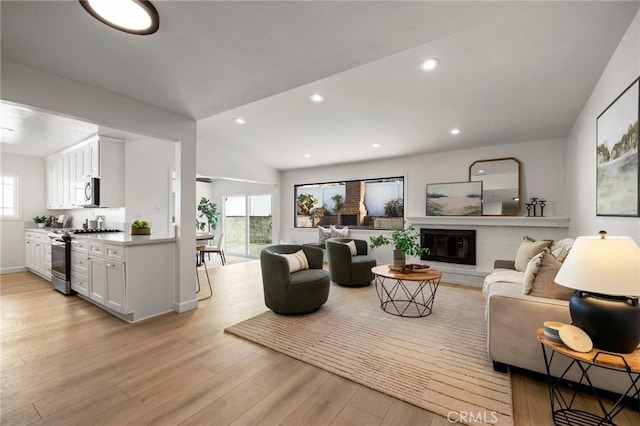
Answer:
x=217 y=248
x=199 y=251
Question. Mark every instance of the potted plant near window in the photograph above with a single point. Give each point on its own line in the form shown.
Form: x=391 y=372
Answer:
x=40 y=220
x=406 y=241
x=208 y=211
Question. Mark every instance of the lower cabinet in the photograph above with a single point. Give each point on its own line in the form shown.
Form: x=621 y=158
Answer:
x=37 y=253
x=98 y=279
x=115 y=296
x=106 y=279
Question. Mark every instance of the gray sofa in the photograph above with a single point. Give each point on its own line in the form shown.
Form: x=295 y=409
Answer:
x=512 y=321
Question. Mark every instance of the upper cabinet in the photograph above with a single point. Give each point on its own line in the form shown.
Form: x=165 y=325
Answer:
x=98 y=156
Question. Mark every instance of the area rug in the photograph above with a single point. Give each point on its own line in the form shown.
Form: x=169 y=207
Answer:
x=438 y=362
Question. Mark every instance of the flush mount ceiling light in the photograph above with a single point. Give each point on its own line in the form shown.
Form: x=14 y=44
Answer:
x=317 y=97
x=307 y=155
x=455 y=131
x=240 y=120
x=376 y=145
x=131 y=16
x=429 y=65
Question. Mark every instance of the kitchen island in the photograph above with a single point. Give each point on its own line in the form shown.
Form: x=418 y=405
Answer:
x=130 y=276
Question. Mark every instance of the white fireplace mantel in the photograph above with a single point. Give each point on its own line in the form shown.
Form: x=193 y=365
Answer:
x=517 y=221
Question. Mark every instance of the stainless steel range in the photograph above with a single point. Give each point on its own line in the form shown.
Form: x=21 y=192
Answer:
x=61 y=262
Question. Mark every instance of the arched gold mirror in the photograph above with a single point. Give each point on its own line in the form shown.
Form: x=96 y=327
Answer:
x=500 y=185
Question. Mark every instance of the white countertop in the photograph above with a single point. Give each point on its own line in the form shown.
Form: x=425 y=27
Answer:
x=126 y=239
x=118 y=238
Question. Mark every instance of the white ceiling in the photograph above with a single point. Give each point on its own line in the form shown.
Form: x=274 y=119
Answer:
x=510 y=71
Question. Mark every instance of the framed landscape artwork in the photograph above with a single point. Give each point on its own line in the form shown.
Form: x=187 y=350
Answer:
x=617 y=180
x=454 y=199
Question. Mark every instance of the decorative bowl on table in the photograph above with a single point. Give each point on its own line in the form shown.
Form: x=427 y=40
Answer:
x=551 y=330
x=409 y=268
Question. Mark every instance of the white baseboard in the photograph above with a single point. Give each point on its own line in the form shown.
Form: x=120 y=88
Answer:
x=185 y=306
x=12 y=270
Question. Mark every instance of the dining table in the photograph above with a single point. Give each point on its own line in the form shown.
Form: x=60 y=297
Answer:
x=202 y=238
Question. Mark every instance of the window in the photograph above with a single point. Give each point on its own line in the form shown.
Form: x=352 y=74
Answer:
x=8 y=196
x=361 y=204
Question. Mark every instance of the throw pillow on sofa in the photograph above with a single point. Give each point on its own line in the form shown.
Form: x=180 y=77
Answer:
x=544 y=283
x=530 y=273
x=352 y=247
x=339 y=233
x=323 y=235
x=529 y=248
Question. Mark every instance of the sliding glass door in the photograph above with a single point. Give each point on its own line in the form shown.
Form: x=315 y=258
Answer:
x=247 y=224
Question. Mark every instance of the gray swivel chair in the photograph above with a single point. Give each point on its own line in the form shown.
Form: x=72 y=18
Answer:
x=298 y=292
x=347 y=270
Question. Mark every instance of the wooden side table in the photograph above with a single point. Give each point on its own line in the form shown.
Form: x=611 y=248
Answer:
x=404 y=294
x=562 y=410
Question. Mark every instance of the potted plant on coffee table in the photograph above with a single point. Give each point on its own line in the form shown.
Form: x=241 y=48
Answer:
x=406 y=241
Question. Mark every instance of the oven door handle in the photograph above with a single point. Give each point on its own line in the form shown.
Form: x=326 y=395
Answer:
x=58 y=243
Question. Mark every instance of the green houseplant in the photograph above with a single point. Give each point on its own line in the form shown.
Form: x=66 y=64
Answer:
x=40 y=220
x=140 y=227
x=208 y=211
x=406 y=241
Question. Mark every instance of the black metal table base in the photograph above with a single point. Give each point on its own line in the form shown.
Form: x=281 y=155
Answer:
x=562 y=404
x=401 y=300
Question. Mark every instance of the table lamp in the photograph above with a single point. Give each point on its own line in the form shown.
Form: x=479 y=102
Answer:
x=605 y=271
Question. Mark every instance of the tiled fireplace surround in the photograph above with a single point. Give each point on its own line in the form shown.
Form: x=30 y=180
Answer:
x=496 y=238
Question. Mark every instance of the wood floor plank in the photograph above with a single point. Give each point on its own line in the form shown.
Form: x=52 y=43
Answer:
x=323 y=406
x=189 y=403
x=228 y=408
x=405 y=414
x=89 y=407
x=21 y=416
x=352 y=416
x=279 y=404
x=372 y=402
x=152 y=397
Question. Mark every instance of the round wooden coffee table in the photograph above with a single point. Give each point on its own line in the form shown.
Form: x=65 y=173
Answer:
x=406 y=295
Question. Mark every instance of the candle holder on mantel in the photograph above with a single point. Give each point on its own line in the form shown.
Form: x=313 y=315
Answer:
x=532 y=206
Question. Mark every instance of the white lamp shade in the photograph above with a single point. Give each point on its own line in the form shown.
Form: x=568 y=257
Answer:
x=609 y=266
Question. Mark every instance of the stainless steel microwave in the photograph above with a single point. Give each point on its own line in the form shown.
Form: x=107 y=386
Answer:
x=88 y=192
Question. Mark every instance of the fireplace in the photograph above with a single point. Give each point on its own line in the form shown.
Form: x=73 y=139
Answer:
x=449 y=245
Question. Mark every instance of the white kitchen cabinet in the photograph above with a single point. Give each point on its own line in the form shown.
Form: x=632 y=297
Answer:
x=98 y=156
x=80 y=266
x=97 y=279
x=115 y=295
x=35 y=252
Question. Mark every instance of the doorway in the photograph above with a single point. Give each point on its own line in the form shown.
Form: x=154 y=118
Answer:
x=248 y=224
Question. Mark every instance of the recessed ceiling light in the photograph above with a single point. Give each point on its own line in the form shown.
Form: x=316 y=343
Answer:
x=455 y=131
x=131 y=16
x=376 y=145
x=480 y=171
x=240 y=120
x=317 y=97
x=430 y=64
x=307 y=155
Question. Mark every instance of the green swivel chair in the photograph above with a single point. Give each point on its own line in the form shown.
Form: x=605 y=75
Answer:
x=348 y=270
x=299 y=292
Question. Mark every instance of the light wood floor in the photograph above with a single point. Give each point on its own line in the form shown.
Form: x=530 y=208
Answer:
x=66 y=362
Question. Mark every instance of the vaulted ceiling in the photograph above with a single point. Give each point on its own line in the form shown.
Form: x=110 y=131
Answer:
x=509 y=71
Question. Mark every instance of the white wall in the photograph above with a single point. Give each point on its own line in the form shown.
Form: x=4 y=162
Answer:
x=147 y=196
x=622 y=70
x=31 y=202
x=54 y=94
x=218 y=162
x=542 y=169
